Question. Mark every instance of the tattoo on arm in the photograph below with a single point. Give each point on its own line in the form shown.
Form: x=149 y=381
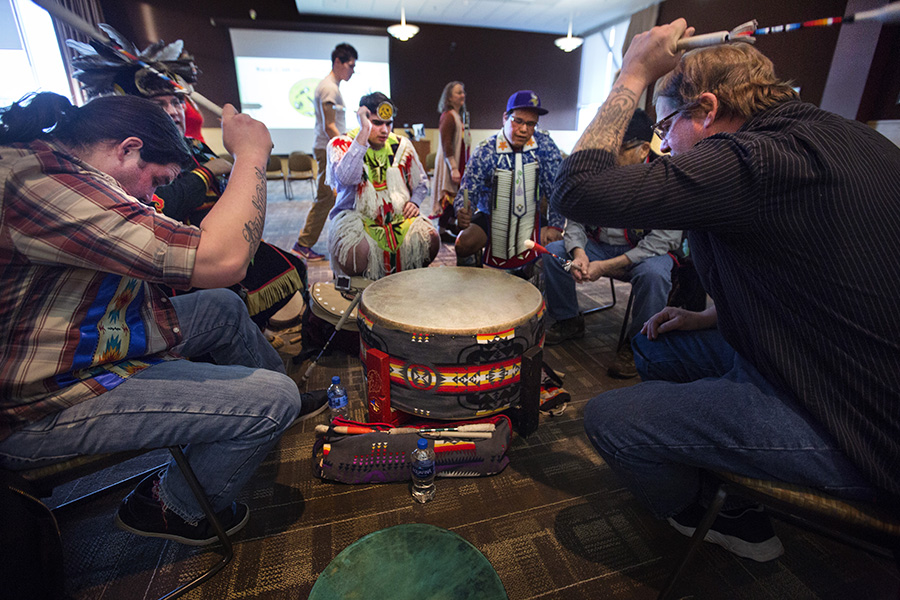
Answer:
x=254 y=227
x=608 y=128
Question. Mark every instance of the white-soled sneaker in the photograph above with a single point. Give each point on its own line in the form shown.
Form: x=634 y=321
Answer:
x=745 y=532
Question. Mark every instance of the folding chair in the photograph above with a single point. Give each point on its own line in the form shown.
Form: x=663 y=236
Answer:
x=38 y=482
x=858 y=524
x=275 y=171
x=301 y=166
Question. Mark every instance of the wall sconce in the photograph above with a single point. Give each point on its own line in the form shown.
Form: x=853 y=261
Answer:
x=568 y=43
x=401 y=30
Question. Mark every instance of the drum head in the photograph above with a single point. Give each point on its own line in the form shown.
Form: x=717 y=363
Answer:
x=451 y=300
x=330 y=305
x=409 y=562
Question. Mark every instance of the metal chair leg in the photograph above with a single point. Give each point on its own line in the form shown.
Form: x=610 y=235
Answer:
x=699 y=534
x=625 y=322
x=200 y=495
x=612 y=287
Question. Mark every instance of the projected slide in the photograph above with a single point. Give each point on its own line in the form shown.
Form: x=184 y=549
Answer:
x=278 y=71
x=279 y=91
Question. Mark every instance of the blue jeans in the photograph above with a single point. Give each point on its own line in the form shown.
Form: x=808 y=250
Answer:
x=651 y=282
x=230 y=416
x=703 y=406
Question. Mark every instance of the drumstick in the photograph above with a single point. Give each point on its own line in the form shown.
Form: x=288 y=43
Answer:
x=474 y=431
x=566 y=264
x=206 y=103
x=337 y=328
x=64 y=14
x=466 y=199
x=744 y=30
x=458 y=435
x=345 y=429
x=469 y=427
x=890 y=13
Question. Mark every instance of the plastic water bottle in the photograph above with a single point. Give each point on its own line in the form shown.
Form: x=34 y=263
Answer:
x=337 y=398
x=422 y=471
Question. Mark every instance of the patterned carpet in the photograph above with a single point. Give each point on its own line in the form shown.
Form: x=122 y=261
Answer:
x=556 y=524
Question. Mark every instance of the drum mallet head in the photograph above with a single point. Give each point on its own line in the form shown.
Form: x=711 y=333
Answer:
x=532 y=245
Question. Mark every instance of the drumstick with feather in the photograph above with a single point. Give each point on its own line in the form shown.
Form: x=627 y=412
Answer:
x=567 y=265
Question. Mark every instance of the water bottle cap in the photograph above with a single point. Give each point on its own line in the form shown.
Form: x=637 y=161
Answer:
x=336 y=379
x=422 y=443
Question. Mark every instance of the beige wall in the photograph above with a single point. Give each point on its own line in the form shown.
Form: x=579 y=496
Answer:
x=564 y=139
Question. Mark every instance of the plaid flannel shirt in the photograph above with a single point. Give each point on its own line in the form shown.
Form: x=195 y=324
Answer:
x=78 y=309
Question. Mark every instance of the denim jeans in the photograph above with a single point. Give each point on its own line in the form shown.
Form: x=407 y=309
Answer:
x=703 y=406
x=230 y=415
x=651 y=282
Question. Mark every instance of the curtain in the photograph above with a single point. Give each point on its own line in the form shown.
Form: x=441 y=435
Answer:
x=641 y=21
x=90 y=11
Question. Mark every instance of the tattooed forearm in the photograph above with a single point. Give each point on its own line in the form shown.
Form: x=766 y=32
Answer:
x=608 y=128
x=254 y=227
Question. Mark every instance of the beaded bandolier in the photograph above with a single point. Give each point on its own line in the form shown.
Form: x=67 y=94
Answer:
x=515 y=202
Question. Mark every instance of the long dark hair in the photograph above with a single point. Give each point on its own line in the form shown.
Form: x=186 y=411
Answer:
x=107 y=119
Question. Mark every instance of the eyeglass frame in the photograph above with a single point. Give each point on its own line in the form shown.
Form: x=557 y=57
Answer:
x=519 y=121
x=661 y=133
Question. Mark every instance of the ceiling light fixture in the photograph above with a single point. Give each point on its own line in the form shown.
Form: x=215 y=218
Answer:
x=568 y=43
x=401 y=30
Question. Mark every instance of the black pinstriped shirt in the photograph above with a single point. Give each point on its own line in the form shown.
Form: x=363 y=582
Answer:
x=794 y=228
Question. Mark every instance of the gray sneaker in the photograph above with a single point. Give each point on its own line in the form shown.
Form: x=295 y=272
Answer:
x=567 y=329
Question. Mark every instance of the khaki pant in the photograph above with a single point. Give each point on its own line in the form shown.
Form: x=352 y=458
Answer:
x=318 y=214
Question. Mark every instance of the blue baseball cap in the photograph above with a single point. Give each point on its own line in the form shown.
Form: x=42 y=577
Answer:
x=525 y=99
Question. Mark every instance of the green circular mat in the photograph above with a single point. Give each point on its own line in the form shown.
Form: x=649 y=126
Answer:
x=409 y=562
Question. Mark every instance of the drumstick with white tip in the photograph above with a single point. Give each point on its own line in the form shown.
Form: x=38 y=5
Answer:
x=566 y=264
x=888 y=14
x=469 y=427
x=741 y=33
x=457 y=435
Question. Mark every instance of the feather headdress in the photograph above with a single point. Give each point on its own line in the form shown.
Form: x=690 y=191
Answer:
x=118 y=68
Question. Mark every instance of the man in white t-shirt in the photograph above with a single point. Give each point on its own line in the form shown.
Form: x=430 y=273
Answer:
x=330 y=123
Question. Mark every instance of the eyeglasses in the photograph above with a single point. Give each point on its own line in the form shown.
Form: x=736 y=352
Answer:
x=661 y=127
x=528 y=124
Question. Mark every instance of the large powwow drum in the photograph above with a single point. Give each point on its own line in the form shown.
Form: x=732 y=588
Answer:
x=452 y=340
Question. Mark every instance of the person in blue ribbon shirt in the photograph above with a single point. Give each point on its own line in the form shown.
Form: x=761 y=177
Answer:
x=510 y=171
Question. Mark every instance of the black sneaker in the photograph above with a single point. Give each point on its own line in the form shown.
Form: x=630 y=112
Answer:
x=143 y=513
x=746 y=532
x=447 y=236
x=567 y=329
x=313 y=404
x=623 y=367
